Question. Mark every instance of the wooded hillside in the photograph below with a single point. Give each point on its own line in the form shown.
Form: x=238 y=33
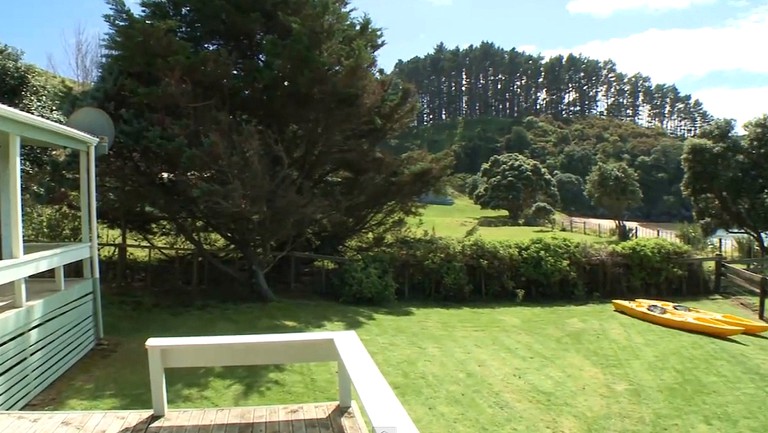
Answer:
x=569 y=149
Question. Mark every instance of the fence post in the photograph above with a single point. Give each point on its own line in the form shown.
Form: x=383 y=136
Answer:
x=148 y=279
x=763 y=283
x=718 y=271
x=599 y=230
x=195 y=273
x=585 y=227
x=571 y=221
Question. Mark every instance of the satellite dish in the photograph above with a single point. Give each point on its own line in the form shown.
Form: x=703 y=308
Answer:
x=96 y=122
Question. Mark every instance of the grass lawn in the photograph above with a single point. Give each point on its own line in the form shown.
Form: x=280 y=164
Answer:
x=482 y=368
x=454 y=221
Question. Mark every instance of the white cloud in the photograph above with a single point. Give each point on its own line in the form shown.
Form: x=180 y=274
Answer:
x=741 y=104
x=670 y=55
x=530 y=49
x=606 y=8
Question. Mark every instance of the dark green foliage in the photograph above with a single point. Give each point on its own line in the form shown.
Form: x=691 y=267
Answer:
x=550 y=267
x=577 y=160
x=51 y=213
x=692 y=234
x=518 y=141
x=541 y=214
x=613 y=187
x=726 y=178
x=539 y=269
x=259 y=122
x=651 y=264
x=573 y=199
x=366 y=281
x=513 y=183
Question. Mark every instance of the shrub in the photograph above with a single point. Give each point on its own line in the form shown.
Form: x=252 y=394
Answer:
x=541 y=214
x=550 y=267
x=692 y=235
x=367 y=281
x=652 y=264
x=51 y=223
x=540 y=269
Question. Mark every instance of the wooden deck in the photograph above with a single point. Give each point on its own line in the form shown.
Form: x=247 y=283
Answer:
x=305 y=418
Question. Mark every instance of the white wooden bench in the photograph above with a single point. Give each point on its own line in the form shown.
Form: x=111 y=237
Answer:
x=355 y=367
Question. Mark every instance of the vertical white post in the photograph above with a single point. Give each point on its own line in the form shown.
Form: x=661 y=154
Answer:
x=5 y=200
x=10 y=209
x=94 y=241
x=157 y=381
x=345 y=387
x=59 y=278
x=85 y=210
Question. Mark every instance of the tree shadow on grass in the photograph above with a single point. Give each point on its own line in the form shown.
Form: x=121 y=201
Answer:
x=116 y=376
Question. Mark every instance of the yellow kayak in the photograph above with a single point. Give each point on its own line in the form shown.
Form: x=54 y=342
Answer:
x=669 y=317
x=750 y=326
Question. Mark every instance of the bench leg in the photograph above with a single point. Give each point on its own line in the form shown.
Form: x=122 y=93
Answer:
x=345 y=387
x=157 y=382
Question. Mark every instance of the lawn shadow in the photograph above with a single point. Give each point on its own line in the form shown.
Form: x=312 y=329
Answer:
x=758 y=336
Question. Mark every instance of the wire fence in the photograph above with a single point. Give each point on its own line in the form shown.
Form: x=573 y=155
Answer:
x=576 y=225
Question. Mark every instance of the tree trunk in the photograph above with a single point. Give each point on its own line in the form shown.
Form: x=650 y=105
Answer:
x=761 y=244
x=259 y=285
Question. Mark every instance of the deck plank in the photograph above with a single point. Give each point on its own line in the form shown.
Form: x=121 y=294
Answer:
x=181 y=422
x=143 y=424
x=220 y=424
x=48 y=424
x=130 y=421
x=311 y=421
x=273 y=420
x=305 y=418
x=206 y=422
x=260 y=420
x=349 y=422
x=74 y=422
x=297 y=420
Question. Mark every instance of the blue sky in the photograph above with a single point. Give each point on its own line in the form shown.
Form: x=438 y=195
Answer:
x=713 y=49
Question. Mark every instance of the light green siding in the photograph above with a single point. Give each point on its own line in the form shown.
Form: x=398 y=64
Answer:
x=41 y=341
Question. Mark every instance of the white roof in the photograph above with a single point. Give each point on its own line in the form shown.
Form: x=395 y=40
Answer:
x=37 y=131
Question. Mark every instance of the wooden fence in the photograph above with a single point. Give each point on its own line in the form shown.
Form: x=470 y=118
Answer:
x=755 y=283
x=167 y=266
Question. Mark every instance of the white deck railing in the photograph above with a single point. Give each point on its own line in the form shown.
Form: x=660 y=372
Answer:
x=44 y=258
x=355 y=367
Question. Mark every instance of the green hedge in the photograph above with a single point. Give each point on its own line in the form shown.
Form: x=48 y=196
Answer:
x=539 y=269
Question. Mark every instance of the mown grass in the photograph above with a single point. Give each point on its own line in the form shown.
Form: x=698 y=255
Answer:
x=479 y=368
x=456 y=220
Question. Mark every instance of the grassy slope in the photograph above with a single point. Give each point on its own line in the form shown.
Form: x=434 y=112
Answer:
x=455 y=220
x=516 y=368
